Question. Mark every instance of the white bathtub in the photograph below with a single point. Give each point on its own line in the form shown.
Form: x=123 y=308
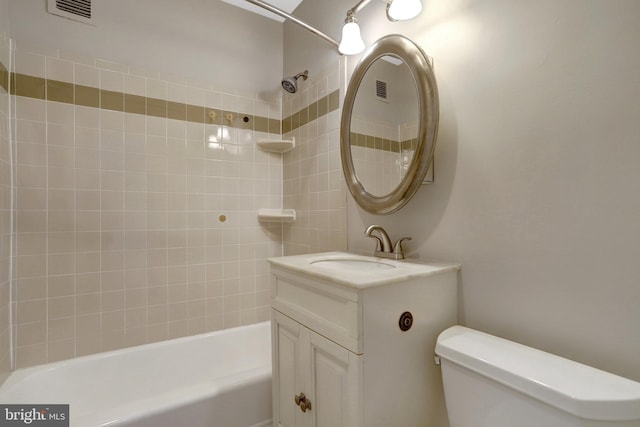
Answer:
x=218 y=379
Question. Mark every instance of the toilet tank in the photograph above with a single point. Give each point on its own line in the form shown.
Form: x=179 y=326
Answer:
x=492 y=382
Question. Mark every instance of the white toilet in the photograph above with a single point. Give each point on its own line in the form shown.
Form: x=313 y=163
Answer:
x=491 y=382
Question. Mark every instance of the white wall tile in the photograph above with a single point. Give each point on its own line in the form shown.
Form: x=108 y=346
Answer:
x=111 y=80
x=60 y=70
x=30 y=64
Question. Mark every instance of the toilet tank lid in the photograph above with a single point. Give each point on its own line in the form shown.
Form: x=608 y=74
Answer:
x=578 y=389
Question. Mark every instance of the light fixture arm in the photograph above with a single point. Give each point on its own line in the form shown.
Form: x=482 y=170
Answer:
x=358 y=7
x=295 y=20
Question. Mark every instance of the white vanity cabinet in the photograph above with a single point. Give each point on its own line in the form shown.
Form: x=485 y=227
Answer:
x=338 y=346
x=325 y=373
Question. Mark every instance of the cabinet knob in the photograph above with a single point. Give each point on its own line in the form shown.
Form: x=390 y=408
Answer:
x=302 y=401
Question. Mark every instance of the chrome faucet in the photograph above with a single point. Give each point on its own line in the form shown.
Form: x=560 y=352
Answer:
x=384 y=248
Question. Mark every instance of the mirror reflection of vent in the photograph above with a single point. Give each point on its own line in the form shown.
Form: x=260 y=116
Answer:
x=77 y=10
x=381 y=90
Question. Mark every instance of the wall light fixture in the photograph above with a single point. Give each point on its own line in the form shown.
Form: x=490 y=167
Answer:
x=401 y=10
x=351 y=43
x=397 y=10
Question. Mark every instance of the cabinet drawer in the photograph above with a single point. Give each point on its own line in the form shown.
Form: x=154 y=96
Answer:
x=331 y=310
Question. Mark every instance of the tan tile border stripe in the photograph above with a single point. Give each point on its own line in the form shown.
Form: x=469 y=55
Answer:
x=4 y=77
x=31 y=87
x=53 y=90
x=308 y=114
x=87 y=96
x=376 y=143
x=409 y=144
x=59 y=91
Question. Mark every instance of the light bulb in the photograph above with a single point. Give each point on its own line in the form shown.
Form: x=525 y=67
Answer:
x=351 y=43
x=401 y=10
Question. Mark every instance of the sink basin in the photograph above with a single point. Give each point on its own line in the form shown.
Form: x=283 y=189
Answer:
x=352 y=264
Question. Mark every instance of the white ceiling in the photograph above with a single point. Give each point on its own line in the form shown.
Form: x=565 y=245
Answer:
x=286 y=5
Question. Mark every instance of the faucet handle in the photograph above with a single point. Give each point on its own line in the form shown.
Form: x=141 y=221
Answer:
x=397 y=248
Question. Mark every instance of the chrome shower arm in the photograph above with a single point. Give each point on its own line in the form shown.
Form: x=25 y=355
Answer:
x=280 y=12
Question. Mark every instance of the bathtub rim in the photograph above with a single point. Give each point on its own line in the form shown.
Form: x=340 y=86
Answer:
x=18 y=375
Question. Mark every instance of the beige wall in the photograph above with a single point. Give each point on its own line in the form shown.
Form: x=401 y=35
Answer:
x=536 y=167
x=5 y=197
x=131 y=226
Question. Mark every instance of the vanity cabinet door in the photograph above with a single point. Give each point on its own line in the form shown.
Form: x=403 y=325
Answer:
x=288 y=338
x=334 y=384
x=327 y=374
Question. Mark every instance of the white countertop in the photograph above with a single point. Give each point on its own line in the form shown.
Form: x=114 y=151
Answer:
x=391 y=271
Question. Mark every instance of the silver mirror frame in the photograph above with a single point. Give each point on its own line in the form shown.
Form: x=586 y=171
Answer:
x=428 y=101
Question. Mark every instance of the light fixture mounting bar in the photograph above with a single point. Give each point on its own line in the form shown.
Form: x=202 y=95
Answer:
x=355 y=9
x=298 y=21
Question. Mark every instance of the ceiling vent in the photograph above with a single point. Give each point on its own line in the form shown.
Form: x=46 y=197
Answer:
x=77 y=10
x=381 y=90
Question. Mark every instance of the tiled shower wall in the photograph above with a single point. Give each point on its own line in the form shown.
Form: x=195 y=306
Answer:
x=313 y=181
x=136 y=206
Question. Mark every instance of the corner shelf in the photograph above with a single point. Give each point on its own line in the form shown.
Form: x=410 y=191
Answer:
x=276 y=145
x=277 y=215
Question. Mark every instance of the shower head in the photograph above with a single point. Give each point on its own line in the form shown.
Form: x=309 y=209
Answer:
x=290 y=84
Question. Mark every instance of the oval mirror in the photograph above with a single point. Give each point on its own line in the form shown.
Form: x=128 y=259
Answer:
x=389 y=125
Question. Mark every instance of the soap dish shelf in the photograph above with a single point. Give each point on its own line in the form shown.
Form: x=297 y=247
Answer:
x=277 y=215
x=276 y=145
